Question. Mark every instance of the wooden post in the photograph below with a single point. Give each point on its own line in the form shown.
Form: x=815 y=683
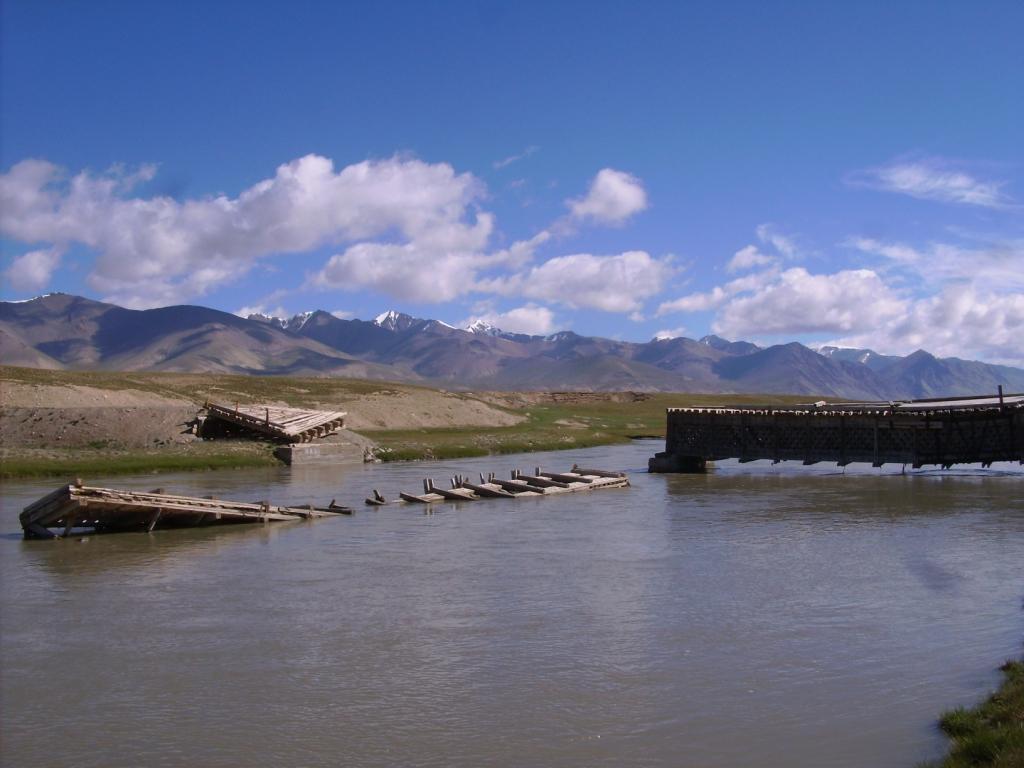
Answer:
x=152 y=522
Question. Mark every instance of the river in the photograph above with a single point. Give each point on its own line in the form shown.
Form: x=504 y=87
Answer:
x=757 y=615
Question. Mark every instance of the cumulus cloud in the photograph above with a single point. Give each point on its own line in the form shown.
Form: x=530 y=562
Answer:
x=32 y=271
x=959 y=321
x=407 y=271
x=613 y=197
x=695 y=302
x=933 y=179
x=529 y=319
x=799 y=302
x=748 y=257
x=152 y=250
x=616 y=283
x=752 y=257
x=717 y=296
x=953 y=299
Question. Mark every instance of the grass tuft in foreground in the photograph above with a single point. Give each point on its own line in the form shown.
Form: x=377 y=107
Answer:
x=990 y=735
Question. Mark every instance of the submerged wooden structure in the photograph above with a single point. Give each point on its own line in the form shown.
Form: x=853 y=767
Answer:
x=519 y=486
x=107 y=510
x=293 y=425
x=940 y=432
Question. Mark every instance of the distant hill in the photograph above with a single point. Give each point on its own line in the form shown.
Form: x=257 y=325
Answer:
x=74 y=332
x=63 y=331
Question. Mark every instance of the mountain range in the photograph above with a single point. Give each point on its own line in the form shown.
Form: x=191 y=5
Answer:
x=62 y=331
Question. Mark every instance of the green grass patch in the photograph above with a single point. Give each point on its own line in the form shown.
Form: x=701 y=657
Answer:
x=990 y=735
x=81 y=464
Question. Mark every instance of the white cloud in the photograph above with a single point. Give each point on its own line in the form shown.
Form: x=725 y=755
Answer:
x=933 y=179
x=616 y=283
x=670 y=333
x=261 y=309
x=155 y=250
x=529 y=319
x=996 y=266
x=748 y=257
x=897 y=252
x=521 y=253
x=752 y=257
x=613 y=197
x=499 y=164
x=798 y=302
x=784 y=244
x=32 y=271
x=342 y=314
x=959 y=321
x=406 y=272
x=695 y=302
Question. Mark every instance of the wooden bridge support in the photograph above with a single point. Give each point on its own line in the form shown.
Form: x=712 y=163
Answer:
x=918 y=433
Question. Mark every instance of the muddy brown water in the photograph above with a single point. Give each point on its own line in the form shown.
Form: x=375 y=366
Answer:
x=754 y=616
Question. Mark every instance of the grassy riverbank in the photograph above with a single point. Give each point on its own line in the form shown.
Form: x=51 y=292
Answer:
x=552 y=421
x=71 y=462
x=990 y=735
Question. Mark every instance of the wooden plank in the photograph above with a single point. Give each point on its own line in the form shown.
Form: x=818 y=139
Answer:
x=542 y=482
x=517 y=486
x=489 y=490
x=565 y=477
x=426 y=498
x=456 y=494
x=596 y=472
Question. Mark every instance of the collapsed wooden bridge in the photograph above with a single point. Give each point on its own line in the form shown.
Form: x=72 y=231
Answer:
x=293 y=425
x=106 y=510
x=941 y=432
x=519 y=486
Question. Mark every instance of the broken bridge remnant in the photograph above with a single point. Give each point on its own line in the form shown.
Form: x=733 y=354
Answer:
x=293 y=425
x=108 y=510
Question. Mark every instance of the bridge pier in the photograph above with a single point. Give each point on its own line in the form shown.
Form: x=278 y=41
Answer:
x=670 y=462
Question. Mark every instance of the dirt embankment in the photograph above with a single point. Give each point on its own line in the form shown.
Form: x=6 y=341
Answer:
x=53 y=416
x=423 y=408
x=43 y=416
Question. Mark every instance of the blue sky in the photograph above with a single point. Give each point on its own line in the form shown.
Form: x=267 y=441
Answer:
x=821 y=172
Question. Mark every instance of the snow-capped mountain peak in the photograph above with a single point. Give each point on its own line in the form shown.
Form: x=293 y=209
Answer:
x=394 y=321
x=483 y=328
x=293 y=323
x=296 y=322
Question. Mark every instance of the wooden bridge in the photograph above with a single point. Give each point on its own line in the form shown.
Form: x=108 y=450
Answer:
x=292 y=425
x=940 y=432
